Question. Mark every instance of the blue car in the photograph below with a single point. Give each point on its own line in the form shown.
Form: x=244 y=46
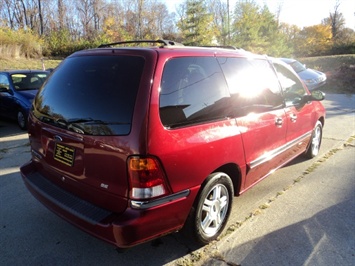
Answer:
x=17 y=90
x=312 y=78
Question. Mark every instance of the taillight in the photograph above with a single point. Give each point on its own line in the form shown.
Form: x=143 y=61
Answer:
x=147 y=179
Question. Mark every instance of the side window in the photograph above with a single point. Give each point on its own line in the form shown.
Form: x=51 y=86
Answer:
x=4 y=82
x=253 y=85
x=193 y=90
x=292 y=87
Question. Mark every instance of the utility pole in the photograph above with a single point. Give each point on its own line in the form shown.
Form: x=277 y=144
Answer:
x=228 y=26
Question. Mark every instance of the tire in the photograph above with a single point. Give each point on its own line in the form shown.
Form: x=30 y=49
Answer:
x=21 y=120
x=212 y=208
x=316 y=140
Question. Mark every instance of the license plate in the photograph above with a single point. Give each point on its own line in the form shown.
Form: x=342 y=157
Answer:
x=64 y=154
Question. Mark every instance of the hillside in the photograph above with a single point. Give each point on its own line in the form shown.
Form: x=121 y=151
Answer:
x=340 y=71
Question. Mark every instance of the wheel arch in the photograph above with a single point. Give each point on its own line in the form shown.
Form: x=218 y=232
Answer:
x=234 y=172
x=322 y=120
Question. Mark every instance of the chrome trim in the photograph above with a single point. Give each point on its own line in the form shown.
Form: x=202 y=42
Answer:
x=58 y=138
x=142 y=205
x=270 y=155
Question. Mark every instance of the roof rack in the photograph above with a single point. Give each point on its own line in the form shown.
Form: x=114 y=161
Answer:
x=221 y=46
x=163 y=42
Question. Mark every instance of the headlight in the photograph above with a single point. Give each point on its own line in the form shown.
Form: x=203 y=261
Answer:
x=309 y=81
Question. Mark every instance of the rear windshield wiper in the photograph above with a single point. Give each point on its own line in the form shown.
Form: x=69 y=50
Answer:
x=93 y=122
x=86 y=125
x=80 y=125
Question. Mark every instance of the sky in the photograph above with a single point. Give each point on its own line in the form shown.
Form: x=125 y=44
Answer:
x=302 y=13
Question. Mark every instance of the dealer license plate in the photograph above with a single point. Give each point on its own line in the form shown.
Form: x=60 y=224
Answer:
x=64 y=154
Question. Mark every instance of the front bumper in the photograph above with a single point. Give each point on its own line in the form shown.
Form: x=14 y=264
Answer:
x=137 y=224
x=314 y=86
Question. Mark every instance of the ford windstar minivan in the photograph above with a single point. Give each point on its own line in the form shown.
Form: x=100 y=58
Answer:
x=130 y=143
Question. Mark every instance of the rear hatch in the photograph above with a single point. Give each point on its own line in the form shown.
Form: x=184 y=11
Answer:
x=81 y=128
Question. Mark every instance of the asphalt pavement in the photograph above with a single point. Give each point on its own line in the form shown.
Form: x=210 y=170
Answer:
x=311 y=223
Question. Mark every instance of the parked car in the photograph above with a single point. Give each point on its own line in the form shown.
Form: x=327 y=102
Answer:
x=313 y=78
x=132 y=143
x=17 y=90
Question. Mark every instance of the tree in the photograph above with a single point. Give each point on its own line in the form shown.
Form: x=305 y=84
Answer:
x=256 y=29
x=275 y=40
x=246 y=25
x=40 y=17
x=336 y=21
x=7 y=14
x=343 y=38
x=221 y=20
x=90 y=16
x=196 y=24
x=22 y=14
x=61 y=14
x=313 y=40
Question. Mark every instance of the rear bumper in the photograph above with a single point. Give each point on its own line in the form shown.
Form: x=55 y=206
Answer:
x=137 y=224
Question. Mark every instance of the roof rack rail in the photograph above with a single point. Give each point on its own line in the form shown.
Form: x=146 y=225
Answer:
x=163 y=42
x=221 y=46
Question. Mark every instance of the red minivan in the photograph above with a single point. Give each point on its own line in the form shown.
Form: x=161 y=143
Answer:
x=132 y=143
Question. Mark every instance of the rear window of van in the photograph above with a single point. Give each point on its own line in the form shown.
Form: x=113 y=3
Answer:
x=93 y=95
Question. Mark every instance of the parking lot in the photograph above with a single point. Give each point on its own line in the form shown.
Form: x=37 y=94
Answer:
x=309 y=221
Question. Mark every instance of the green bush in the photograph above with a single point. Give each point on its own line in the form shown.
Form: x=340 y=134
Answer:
x=20 y=43
x=59 y=43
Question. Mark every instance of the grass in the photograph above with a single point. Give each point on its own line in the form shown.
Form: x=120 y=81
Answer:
x=328 y=63
x=22 y=63
x=340 y=71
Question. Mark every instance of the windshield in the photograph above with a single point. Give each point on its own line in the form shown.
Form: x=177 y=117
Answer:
x=28 y=81
x=93 y=95
x=297 y=66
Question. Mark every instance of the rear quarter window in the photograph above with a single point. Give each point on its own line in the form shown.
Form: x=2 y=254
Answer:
x=193 y=90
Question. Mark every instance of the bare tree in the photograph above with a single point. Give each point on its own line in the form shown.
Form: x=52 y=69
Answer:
x=336 y=20
x=61 y=14
x=40 y=17
x=7 y=13
x=278 y=11
x=221 y=19
x=22 y=13
x=126 y=19
x=90 y=16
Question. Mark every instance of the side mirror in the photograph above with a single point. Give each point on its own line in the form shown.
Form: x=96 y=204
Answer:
x=315 y=96
x=3 y=89
x=318 y=95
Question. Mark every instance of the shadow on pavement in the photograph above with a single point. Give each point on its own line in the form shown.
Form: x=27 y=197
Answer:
x=313 y=241
x=339 y=104
x=9 y=128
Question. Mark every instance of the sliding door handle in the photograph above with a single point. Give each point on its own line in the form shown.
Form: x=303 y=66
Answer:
x=278 y=121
